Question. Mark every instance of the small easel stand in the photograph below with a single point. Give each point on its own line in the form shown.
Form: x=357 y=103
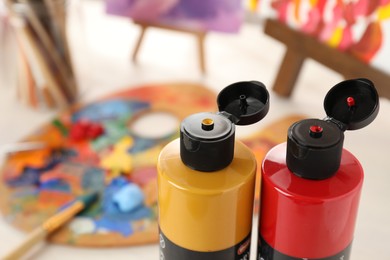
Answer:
x=301 y=46
x=200 y=36
x=45 y=74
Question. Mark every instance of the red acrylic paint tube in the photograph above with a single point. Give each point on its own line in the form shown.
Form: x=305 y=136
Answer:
x=311 y=185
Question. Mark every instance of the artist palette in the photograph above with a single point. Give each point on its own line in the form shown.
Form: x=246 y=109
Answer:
x=110 y=146
x=102 y=146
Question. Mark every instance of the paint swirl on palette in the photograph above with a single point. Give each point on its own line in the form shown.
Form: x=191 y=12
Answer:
x=93 y=147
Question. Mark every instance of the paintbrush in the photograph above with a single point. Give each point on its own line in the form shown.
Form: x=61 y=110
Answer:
x=52 y=224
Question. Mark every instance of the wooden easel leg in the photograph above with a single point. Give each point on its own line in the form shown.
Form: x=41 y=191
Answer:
x=201 y=52
x=200 y=35
x=139 y=42
x=288 y=72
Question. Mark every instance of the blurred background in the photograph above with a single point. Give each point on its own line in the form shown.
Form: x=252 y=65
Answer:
x=99 y=55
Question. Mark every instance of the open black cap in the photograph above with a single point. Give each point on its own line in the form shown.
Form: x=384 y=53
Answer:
x=314 y=146
x=247 y=101
x=207 y=139
x=355 y=103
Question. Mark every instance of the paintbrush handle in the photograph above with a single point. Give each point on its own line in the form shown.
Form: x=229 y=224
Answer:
x=33 y=238
x=62 y=217
x=47 y=227
x=51 y=225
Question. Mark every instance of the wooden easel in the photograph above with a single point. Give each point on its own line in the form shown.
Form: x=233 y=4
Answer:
x=301 y=46
x=200 y=36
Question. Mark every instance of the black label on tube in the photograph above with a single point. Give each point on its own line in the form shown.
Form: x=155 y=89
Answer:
x=266 y=252
x=171 y=251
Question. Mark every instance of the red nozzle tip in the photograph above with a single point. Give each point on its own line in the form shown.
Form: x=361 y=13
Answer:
x=351 y=101
x=316 y=131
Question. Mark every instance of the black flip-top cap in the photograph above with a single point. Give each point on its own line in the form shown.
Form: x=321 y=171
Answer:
x=354 y=103
x=247 y=101
x=314 y=147
x=207 y=139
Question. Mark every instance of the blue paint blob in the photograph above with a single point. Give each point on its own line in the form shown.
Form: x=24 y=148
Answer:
x=128 y=198
x=55 y=185
x=118 y=182
x=111 y=209
x=30 y=176
x=109 y=110
x=136 y=214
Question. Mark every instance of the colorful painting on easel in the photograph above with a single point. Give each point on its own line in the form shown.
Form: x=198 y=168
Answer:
x=216 y=15
x=93 y=148
x=358 y=27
